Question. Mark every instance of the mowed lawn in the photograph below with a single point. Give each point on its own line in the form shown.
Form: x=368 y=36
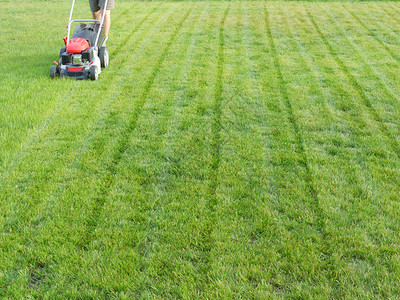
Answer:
x=230 y=150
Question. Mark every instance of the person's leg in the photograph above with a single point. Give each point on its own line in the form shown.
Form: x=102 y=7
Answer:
x=95 y=8
x=107 y=20
x=96 y=14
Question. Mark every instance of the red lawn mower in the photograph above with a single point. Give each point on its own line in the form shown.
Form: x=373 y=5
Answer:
x=86 y=53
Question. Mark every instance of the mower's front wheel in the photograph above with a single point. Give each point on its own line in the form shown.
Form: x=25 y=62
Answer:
x=54 y=71
x=104 y=57
x=93 y=74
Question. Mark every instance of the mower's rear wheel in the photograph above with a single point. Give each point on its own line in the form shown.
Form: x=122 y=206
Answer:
x=104 y=57
x=63 y=49
x=93 y=75
x=54 y=71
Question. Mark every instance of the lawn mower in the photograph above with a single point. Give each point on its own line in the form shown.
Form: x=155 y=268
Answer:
x=86 y=53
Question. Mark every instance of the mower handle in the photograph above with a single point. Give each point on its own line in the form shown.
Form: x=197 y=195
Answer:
x=81 y=20
x=103 y=15
x=70 y=14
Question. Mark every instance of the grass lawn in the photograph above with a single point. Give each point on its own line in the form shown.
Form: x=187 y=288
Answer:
x=230 y=150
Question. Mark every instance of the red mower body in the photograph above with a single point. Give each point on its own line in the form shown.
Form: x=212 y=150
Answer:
x=78 y=45
x=85 y=53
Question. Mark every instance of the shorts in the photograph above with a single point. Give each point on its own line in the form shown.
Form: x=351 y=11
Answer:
x=95 y=5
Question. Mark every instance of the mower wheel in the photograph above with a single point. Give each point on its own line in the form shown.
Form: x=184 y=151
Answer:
x=63 y=49
x=93 y=75
x=54 y=71
x=104 y=57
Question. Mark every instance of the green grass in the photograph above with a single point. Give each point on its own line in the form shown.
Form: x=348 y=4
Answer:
x=231 y=150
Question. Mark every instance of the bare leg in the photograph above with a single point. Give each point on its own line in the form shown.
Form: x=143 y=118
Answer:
x=96 y=15
x=107 y=20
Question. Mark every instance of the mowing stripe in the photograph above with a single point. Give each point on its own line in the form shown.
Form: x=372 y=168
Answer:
x=377 y=14
x=358 y=88
x=354 y=130
x=306 y=59
x=123 y=142
x=379 y=76
x=373 y=35
x=144 y=248
x=126 y=11
x=216 y=153
x=394 y=7
x=354 y=177
x=307 y=63
x=390 y=14
x=292 y=119
x=173 y=128
x=244 y=202
x=133 y=31
x=361 y=172
x=175 y=118
x=259 y=88
x=322 y=246
x=158 y=210
x=33 y=138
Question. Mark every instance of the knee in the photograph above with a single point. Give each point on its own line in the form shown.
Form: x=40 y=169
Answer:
x=96 y=14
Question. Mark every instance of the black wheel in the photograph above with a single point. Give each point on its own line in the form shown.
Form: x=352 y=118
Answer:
x=93 y=75
x=104 y=57
x=63 y=49
x=54 y=71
